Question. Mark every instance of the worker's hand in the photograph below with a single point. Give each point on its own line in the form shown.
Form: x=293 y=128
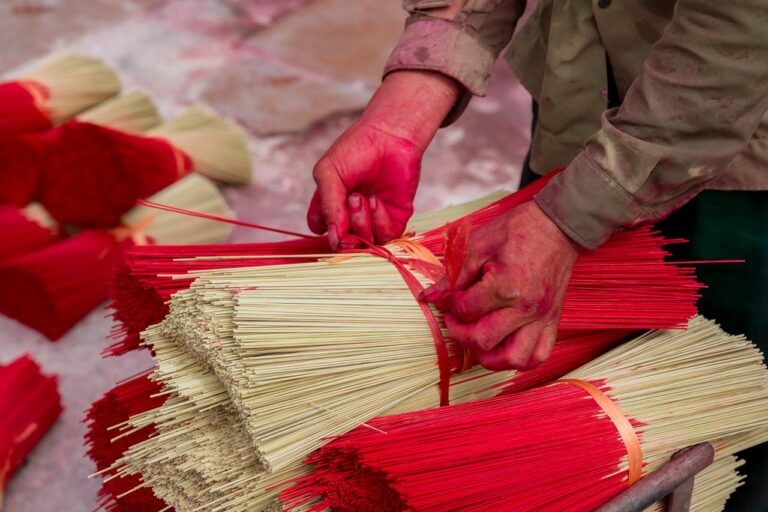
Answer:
x=508 y=297
x=366 y=184
x=367 y=180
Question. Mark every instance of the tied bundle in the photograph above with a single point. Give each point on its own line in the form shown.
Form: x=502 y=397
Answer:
x=149 y=276
x=262 y=363
x=54 y=91
x=24 y=158
x=30 y=405
x=127 y=399
x=51 y=289
x=571 y=445
x=137 y=165
x=24 y=230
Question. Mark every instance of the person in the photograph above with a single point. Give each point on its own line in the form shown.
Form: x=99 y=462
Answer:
x=657 y=111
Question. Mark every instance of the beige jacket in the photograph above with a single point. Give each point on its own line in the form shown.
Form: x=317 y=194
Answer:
x=692 y=74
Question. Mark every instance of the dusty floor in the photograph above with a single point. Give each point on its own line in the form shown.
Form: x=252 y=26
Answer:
x=295 y=73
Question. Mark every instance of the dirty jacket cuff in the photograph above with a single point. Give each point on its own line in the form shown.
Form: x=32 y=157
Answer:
x=447 y=47
x=587 y=204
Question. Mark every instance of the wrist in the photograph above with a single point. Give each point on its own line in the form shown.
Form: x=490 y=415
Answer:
x=412 y=105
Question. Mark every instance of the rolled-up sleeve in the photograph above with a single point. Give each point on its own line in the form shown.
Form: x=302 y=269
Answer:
x=464 y=48
x=701 y=96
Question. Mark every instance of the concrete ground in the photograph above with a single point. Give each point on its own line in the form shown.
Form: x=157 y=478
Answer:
x=295 y=73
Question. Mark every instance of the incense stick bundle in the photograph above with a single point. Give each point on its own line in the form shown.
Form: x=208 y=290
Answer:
x=26 y=229
x=30 y=405
x=144 y=280
x=201 y=455
x=303 y=351
x=22 y=159
x=149 y=276
x=132 y=112
x=127 y=399
x=51 y=289
x=53 y=91
x=571 y=445
x=94 y=174
x=193 y=191
x=216 y=145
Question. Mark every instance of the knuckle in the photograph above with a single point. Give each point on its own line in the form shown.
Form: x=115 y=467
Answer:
x=515 y=361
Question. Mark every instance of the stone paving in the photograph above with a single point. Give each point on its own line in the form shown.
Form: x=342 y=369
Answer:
x=295 y=73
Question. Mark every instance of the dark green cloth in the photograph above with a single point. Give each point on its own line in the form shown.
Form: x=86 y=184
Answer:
x=732 y=225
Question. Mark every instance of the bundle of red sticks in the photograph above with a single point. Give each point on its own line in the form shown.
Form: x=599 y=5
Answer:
x=69 y=185
x=626 y=285
x=29 y=405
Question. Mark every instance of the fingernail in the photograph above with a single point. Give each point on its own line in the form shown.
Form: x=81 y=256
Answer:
x=355 y=203
x=373 y=202
x=333 y=237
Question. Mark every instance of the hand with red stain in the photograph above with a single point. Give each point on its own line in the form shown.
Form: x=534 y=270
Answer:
x=509 y=294
x=367 y=180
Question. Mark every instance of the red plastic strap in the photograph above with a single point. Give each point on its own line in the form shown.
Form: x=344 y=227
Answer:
x=236 y=222
x=441 y=347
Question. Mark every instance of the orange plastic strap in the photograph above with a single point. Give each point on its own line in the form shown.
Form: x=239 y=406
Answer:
x=134 y=231
x=39 y=94
x=623 y=425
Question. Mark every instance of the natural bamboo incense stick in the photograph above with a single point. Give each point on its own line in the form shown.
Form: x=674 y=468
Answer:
x=552 y=448
x=193 y=191
x=216 y=145
x=53 y=91
x=131 y=112
x=73 y=83
x=30 y=405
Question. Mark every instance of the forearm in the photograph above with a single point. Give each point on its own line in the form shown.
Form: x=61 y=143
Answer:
x=412 y=105
x=697 y=103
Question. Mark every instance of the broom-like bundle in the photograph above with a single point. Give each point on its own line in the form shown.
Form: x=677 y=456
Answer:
x=30 y=405
x=51 y=289
x=216 y=145
x=24 y=158
x=304 y=351
x=571 y=445
x=193 y=191
x=53 y=91
x=93 y=174
x=149 y=276
x=131 y=112
x=127 y=399
x=23 y=230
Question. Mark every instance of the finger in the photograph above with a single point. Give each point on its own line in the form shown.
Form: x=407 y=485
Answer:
x=544 y=345
x=481 y=298
x=515 y=352
x=436 y=291
x=333 y=197
x=469 y=272
x=487 y=332
x=384 y=227
x=315 y=215
x=360 y=216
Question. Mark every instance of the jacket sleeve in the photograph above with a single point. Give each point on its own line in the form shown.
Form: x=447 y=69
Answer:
x=464 y=48
x=699 y=99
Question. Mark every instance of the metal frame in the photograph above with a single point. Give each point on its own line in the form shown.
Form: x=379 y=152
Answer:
x=673 y=479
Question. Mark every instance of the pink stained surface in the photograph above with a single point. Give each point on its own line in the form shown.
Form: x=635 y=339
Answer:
x=252 y=60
